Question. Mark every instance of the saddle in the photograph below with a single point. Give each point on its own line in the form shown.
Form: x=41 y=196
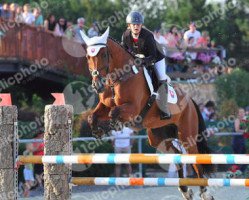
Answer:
x=154 y=84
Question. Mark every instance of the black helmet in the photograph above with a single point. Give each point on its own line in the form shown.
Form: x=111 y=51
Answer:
x=134 y=17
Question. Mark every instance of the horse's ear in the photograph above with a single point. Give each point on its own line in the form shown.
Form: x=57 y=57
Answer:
x=105 y=35
x=85 y=37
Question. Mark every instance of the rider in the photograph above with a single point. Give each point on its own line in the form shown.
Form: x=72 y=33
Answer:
x=141 y=41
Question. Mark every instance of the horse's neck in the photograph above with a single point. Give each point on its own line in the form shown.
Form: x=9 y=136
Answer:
x=120 y=57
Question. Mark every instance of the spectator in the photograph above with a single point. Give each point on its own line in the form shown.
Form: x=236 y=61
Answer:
x=204 y=40
x=39 y=151
x=13 y=8
x=69 y=30
x=38 y=17
x=201 y=107
x=172 y=37
x=50 y=23
x=213 y=117
x=122 y=144
x=191 y=43
x=208 y=110
x=212 y=44
x=5 y=13
x=77 y=29
x=192 y=32
x=18 y=15
x=247 y=111
x=60 y=27
x=213 y=54
x=180 y=43
x=28 y=17
x=28 y=171
x=238 y=142
x=94 y=30
x=160 y=40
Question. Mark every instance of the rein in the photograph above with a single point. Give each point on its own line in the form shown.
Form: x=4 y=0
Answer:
x=119 y=77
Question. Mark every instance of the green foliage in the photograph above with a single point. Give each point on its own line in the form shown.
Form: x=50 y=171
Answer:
x=233 y=88
x=228 y=107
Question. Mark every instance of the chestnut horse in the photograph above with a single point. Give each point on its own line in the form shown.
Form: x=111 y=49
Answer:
x=123 y=97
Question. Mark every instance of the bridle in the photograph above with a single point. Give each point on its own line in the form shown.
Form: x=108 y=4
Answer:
x=100 y=86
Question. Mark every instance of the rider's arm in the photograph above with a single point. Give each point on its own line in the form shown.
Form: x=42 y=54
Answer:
x=151 y=50
x=123 y=42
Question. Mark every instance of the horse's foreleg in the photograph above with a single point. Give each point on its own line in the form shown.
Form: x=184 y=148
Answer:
x=99 y=120
x=99 y=113
x=124 y=112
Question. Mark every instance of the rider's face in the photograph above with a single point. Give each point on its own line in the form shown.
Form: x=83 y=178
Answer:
x=136 y=28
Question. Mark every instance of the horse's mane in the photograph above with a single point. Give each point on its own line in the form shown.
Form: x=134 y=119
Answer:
x=120 y=45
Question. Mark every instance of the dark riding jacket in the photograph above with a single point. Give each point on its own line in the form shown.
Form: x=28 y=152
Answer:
x=146 y=45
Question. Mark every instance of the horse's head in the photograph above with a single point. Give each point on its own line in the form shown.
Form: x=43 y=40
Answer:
x=98 y=59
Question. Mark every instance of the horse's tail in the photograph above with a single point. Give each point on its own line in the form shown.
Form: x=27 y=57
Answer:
x=202 y=140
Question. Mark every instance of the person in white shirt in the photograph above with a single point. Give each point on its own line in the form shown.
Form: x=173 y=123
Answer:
x=28 y=17
x=192 y=32
x=122 y=144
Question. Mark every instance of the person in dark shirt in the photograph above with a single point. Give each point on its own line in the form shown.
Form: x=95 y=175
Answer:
x=5 y=12
x=50 y=23
x=141 y=42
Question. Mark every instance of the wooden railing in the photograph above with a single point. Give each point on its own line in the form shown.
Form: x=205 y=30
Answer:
x=27 y=43
x=22 y=42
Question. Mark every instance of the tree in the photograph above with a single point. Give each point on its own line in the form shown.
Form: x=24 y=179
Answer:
x=234 y=86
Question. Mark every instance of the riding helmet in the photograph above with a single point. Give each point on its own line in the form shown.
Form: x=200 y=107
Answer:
x=134 y=17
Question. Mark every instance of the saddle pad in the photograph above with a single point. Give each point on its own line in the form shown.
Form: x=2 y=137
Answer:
x=172 y=97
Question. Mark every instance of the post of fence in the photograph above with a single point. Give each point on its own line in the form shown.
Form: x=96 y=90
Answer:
x=57 y=138
x=8 y=120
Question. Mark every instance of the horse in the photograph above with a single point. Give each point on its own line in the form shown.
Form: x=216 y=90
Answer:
x=123 y=98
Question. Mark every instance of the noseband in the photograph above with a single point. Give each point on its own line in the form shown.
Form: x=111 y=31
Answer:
x=96 y=72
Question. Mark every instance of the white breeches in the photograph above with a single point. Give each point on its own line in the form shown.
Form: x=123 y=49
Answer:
x=160 y=69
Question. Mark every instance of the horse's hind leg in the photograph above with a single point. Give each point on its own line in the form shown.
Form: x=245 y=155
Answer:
x=190 y=137
x=200 y=174
x=204 y=194
x=162 y=138
x=187 y=193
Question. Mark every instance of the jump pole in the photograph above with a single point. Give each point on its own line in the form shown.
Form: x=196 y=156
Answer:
x=139 y=158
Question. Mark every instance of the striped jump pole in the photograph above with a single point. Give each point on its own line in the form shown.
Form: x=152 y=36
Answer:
x=139 y=158
x=161 y=182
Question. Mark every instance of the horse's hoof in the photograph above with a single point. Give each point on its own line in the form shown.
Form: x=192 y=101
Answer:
x=187 y=195
x=206 y=196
